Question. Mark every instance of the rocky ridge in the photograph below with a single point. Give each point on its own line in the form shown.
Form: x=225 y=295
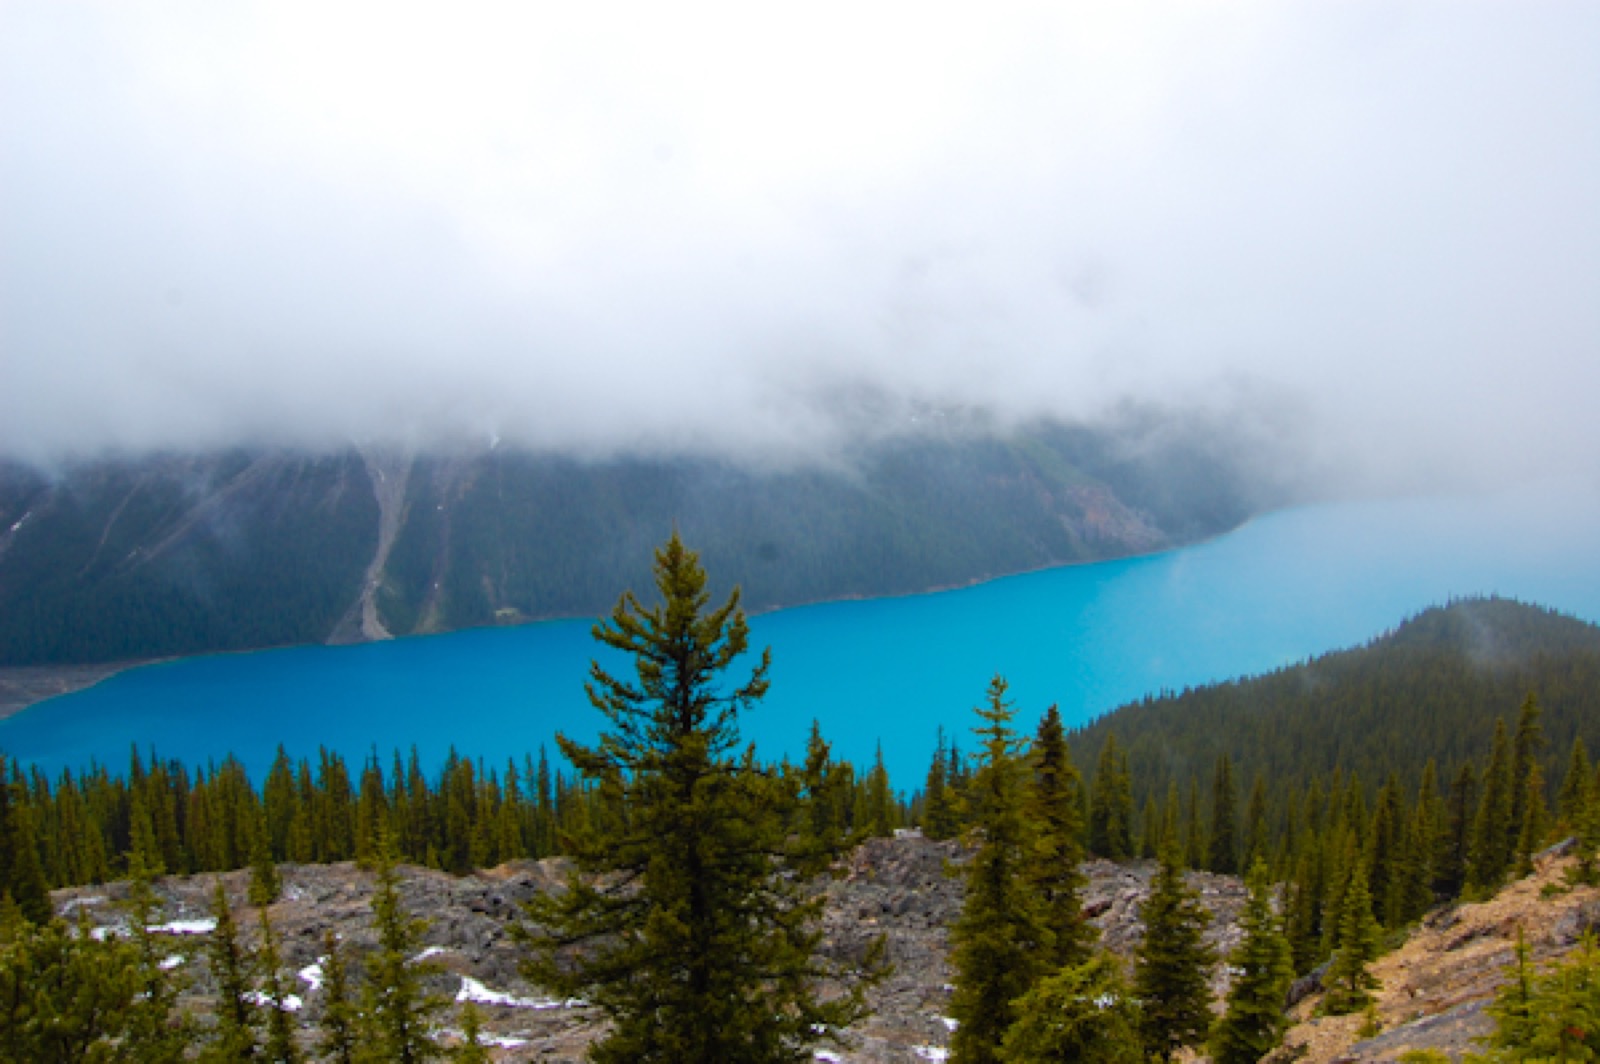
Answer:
x=1436 y=985
x=898 y=888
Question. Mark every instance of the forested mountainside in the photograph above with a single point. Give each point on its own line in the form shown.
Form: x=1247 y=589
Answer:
x=175 y=554
x=1432 y=688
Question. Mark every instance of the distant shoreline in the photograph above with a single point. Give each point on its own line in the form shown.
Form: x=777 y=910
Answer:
x=22 y=686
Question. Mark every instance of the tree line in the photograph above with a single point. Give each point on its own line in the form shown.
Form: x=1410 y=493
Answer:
x=684 y=920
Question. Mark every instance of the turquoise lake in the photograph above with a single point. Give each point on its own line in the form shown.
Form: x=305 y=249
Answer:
x=1287 y=586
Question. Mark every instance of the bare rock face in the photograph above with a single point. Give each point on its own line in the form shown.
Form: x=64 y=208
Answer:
x=907 y=890
x=1435 y=987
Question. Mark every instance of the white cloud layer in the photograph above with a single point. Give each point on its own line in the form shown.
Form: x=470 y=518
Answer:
x=753 y=228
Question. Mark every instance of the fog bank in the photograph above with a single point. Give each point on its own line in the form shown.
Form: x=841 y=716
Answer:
x=1370 y=229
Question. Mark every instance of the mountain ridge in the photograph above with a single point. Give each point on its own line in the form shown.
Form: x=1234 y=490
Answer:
x=125 y=559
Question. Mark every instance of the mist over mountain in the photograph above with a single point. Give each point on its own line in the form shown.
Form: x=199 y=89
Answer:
x=718 y=233
x=176 y=554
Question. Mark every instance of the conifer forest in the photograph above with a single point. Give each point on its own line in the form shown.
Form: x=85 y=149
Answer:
x=684 y=919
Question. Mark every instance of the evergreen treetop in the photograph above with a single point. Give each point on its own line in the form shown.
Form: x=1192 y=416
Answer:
x=678 y=922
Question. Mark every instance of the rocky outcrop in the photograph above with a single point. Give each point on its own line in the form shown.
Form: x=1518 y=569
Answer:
x=1436 y=986
x=901 y=889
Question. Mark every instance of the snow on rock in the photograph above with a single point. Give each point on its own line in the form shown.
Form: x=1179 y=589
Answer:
x=291 y=1002
x=472 y=990
x=431 y=951
x=311 y=974
x=186 y=927
x=949 y=1023
x=936 y=1053
x=172 y=962
x=828 y=1055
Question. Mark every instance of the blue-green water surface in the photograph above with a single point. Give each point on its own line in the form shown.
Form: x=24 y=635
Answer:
x=1283 y=588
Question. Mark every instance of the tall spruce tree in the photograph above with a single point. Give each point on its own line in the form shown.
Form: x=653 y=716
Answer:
x=399 y=1009
x=233 y=968
x=1528 y=744
x=940 y=819
x=1111 y=805
x=1494 y=829
x=1349 y=979
x=1055 y=807
x=1223 y=843
x=678 y=922
x=1173 y=964
x=1000 y=940
x=339 y=1034
x=1254 y=1020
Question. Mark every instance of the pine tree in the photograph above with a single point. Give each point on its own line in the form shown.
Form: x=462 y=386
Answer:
x=1172 y=965
x=1195 y=848
x=1494 y=829
x=65 y=997
x=265 y=882
x=21 y=871
x=471 y=1050
x=279 y=1047
x=1349 y=981
x=233 y=968
x=1080 y=1015
x=1054 y=807
x=1526 y=748
x=1222 y=851
x=1575 y=785
x=693 y=942
x=1455 y=854
x=158 y=1032
x=1257 y=837
x=1253 y=1022
x=999 y=942
x=1566 y=1005
x=1515 y=1003
x=1111 y=805
x=398 y=1008
x=1535 y=820
x=340 y=1022
x=939 y=817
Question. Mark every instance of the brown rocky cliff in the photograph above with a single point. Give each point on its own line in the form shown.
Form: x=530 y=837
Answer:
x=1436 y=985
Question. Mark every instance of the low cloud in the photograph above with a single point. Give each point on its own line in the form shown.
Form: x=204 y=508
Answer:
x=712 y=229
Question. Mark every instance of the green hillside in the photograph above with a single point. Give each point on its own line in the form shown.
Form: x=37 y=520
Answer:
x=1432 y=688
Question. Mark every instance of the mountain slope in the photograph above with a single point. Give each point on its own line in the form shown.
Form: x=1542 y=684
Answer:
x=173 y=555
x=1431 y=688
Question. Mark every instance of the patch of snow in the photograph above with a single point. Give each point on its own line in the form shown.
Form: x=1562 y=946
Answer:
x=828 y=1055
x=431 y=951
x=186 y=927
x=949 y=1023
x=172 y=962
x=936 y=1053
x=291 y=1002
x=472 y=990
x=23 y=518
x=312 y=974
x=72 y=905
x=502 y=1041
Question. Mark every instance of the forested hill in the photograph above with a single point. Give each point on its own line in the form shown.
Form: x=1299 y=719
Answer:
x=177 y=554
x=1432 y=688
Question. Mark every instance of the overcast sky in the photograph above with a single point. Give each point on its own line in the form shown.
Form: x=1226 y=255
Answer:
x=741 y=227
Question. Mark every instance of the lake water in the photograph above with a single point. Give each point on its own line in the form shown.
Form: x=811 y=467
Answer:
x=1283 y=588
